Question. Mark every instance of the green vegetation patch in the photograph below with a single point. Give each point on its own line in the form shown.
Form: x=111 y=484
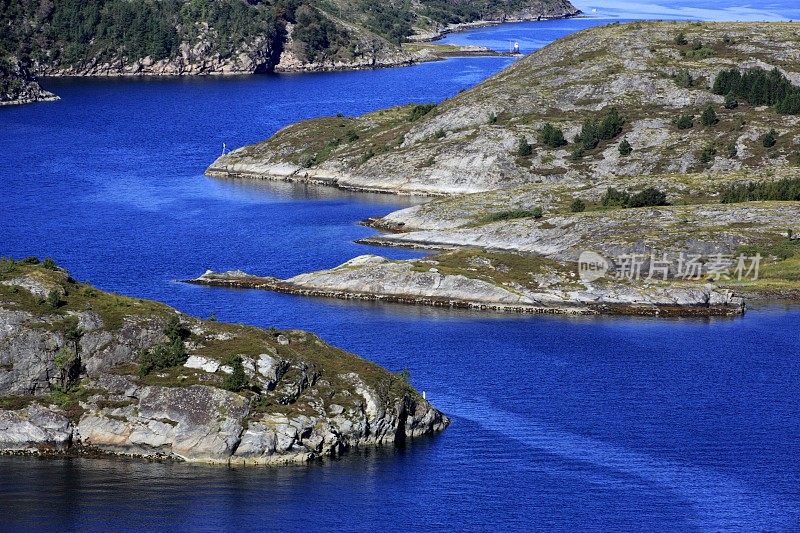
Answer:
x=758 y=87
x=787 y=189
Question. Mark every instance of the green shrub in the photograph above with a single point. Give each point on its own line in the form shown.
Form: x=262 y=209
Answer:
x=577 y=153
x=49 y=264
x=615 y=198
x=648 y=197
x=770 y=139
x=732 y=151
x=625 y=148
x=366 y=156
x=236 y=380
x=166 y=355
x=684 y=122
x=707 y=154
x=611 y=125
x=524 y=148
x=709 y=116
x=492 y=118
x=509 y=215
x=551 y=136
x=404 y=376
x=683 y=78
x=54 y=299
x=589 y=136
x=577 y=206
x=440 y=134
x=537 y=212
x=352 y=136
x=680 y=39
x=419 y=111
x=730 y=101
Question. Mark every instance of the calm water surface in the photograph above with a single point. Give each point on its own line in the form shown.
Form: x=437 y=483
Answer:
x=579 y=424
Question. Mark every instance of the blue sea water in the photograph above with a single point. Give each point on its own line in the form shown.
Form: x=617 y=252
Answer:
x=558 y=424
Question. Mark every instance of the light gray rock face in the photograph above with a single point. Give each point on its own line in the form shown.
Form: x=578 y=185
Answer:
x=374 y=277
x=371 y=274
x=34 y=428
x=197 y=423
x=673 y=229
x=277 y=438
x=194 y=58
x=29 y=345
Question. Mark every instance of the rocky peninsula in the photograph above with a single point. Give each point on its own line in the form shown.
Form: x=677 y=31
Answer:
x=550 y=288
x=83 y=372
x=654 y=142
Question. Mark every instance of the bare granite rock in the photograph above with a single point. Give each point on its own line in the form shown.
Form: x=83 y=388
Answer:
x=34 y=428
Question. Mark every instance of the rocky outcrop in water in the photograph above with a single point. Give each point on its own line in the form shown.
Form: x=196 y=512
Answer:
x=18 y=86
x=71 y=383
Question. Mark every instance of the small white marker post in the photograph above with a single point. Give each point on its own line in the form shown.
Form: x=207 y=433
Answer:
x=424 y=396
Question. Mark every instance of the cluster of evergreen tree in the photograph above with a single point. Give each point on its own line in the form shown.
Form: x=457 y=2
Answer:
x=552 y=136
x=787 y=189
x=316 y=32
x=758 y=87
x=646 y=198
x=385 y=19
x=593 y=132
x=74 y=31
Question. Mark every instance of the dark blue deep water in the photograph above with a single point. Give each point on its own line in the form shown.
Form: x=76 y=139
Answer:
x=572 y=424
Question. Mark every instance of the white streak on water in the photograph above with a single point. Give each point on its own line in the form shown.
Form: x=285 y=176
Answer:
x=721 y=502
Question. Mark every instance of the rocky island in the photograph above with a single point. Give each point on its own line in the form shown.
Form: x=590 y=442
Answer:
x=654 y=146
x=84 y=372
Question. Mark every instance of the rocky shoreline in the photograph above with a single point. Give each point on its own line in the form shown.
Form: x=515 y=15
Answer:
x=256 y=58
x=88 y=373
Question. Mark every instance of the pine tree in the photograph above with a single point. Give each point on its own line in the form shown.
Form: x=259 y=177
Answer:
x=524 y=148
x=625 y=148
x=709 y=116
x=770 y=139
x=551 y=136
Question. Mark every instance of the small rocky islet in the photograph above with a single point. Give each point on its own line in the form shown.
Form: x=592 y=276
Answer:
x=85 y=372
x=658 y=141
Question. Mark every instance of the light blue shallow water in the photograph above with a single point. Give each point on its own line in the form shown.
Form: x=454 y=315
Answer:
x=577 y=424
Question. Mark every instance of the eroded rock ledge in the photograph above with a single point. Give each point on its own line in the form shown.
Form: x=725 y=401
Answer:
x=70 y=383
x=556 y=291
